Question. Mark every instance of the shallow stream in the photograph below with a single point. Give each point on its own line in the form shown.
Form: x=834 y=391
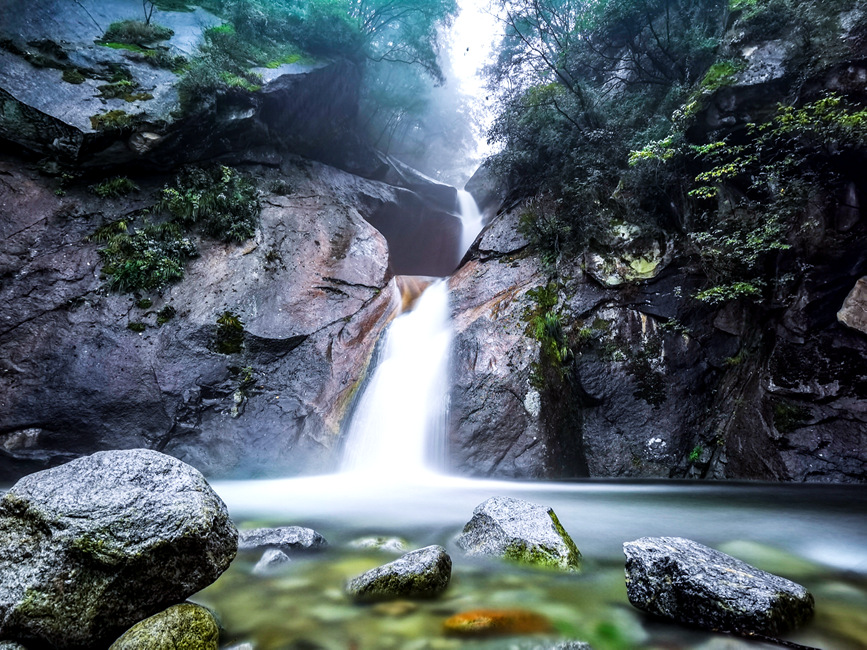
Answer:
x=813 y=534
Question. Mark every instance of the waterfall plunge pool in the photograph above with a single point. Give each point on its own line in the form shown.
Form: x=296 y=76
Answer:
x=813 y=534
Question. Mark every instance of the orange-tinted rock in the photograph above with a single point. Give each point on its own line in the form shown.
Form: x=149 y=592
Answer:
x=494 y=622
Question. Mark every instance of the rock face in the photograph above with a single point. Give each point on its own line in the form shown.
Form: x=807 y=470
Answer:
x=424 y=573
x=682 y=580
x=313 y=290
x=521 y=531
x=186 y=626
x=91 y=547
x=853 y=313
x=285 y=538
x=660 y=385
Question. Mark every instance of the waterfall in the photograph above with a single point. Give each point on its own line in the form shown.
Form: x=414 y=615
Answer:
x=399 y=419
x=471 y=219
x=398 y=427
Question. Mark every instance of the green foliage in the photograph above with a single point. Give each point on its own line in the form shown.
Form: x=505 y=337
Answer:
x=788 y=416
x=73 y=76
x=148 y=258
x=229 y=333
x=789 y=156
x=144 y=303
x=219 y=199
x=115 y=120
x=114 y=187
x=721 y=74
x=165 y=314
x=136 y=326
x=136 y=32
x=123 y=89
x=281 y=188
x=695 y=454
x=545 y=325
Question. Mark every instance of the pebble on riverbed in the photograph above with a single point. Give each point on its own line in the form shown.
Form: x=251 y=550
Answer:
x=424 y=573
x=496 y=622
x=683 y=580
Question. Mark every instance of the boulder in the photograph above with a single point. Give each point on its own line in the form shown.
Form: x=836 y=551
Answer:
x=187 y=626
x=853 y=313
x=522 y=531
x=93 y=546
x=424 y=573
x=285 y=538
x=271 y=562
x=690 y=583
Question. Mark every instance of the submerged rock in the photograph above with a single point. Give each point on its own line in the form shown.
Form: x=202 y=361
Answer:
x=271 y=561
x=496 y=622
x=284 y=538
x=683 y=580
x=519 y=530
x=186 y=626
x=424 y=573
x=91 y=547
x=387 y=544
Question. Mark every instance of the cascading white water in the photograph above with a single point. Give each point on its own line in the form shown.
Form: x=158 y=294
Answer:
x=398 y=428
x=400 y=417
x=471 y=219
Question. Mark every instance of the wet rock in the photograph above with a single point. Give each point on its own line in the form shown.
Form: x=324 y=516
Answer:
x=387 y=544
x=496 y=622
x=424 y=573
x=288 y=539
x=312 y=289
x=139 y=528
x=186 y=626
x=853 y=313
x=685 y=581
x=271 y=562
x=521 y=531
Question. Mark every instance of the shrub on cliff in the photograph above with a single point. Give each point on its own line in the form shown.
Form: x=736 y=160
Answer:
x=136 y=32
x=224 y=202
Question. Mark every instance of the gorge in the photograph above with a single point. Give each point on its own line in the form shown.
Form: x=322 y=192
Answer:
x=216 y=245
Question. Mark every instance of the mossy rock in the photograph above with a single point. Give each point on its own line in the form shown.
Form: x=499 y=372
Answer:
x=180 y=627
x=522 y=532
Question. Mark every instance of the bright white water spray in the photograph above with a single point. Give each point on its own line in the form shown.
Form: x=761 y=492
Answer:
x=471 y=219
x=398 y=429
x=400 y=418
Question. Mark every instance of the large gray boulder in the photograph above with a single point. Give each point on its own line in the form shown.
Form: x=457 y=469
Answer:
x=683 y=580
x=284 y=538
x=91 y=547
x=424 y=573
x=521 y=531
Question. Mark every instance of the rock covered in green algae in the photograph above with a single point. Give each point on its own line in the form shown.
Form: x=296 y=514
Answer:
x=424 y=573
x=89 y=548
x=521 y=531
x=683 y=580
x=180 y=627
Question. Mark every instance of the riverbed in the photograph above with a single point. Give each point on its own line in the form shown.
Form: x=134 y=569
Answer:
x=813 y=534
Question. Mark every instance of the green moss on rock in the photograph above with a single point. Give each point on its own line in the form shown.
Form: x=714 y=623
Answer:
x=180 y=627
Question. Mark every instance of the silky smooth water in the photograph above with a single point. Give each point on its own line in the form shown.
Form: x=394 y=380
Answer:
x=813 y=534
